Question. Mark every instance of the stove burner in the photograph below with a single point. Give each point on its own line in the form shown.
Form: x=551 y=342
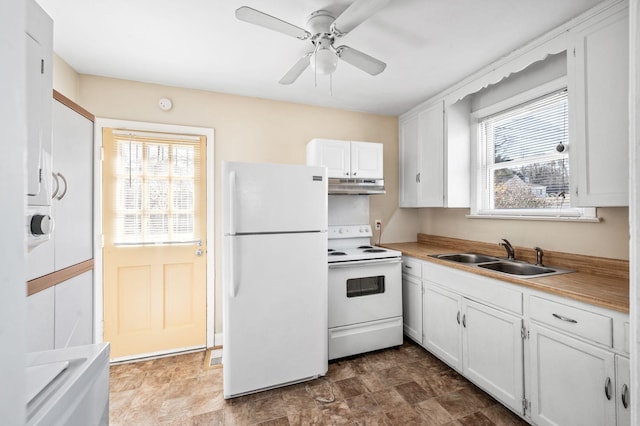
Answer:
x=372 y=250
x=365 y=247
x=337 y=253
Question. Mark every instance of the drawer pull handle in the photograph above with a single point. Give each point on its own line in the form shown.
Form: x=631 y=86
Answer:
x=607 y=388
x=408 y=267
x=625 y=396
x=458 y=317
x=560 y=317
x=464 y=320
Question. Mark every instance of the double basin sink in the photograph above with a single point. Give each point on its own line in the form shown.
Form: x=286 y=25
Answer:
x=504 y=266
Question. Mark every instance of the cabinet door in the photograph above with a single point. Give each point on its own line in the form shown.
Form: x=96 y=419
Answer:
x=573 y=383
x=431 y=156
x=623 y=391
x=442 y=324
x=39 y=321
x=367 y=160
x=492 y=352
x=408 y=191
x=73 y=206
x=598 y=80
x=335 y=155
x=412 y=307
x=74 y=311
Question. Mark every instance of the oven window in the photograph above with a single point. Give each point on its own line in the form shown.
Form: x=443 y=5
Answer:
x=357 y=287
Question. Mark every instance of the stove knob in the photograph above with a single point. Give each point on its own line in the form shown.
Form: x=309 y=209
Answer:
x=341 y=231
x=41 y=224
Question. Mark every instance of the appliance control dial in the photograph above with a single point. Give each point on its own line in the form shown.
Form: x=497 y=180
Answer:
x=41 y=224
x=341 y=231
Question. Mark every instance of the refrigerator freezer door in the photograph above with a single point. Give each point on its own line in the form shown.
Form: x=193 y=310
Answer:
x=275 y=322
x=273 y=198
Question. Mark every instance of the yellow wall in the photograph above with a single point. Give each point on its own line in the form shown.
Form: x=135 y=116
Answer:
x=608 y=238
x=251 y=129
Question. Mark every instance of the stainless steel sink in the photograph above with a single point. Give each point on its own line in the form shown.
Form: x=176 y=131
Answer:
x=502 y=266
x=516 y=268
x=466 y=257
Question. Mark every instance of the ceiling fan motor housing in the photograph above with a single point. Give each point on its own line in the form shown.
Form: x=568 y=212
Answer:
x=319 y=22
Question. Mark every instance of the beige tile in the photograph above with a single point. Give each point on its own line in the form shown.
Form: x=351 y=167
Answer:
x=212 y=418
x=389 y=399
x=502 y=416
x=351 y=387
x=268 y=408
x=475 y=419
x=393 y=376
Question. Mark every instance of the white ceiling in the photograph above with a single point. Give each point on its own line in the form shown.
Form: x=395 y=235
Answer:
x=428 y=45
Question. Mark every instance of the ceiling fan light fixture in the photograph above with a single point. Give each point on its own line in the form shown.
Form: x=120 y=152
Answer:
x=324 y=61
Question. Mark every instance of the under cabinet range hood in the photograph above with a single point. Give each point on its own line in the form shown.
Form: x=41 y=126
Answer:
x=340 y=186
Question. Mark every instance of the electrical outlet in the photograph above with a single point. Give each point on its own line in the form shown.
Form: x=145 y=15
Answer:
x=378 y=224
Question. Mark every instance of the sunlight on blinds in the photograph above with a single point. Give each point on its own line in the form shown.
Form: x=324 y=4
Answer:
x=156 y=185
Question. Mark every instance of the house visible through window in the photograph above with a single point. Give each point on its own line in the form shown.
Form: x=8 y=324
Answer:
x=525 y=159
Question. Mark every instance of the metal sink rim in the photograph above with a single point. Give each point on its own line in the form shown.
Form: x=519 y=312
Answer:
x=487 y=265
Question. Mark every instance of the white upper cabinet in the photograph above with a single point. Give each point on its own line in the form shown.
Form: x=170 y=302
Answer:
x=434 y=156
x=347 y=159
x=39 y=42
x=598 y=78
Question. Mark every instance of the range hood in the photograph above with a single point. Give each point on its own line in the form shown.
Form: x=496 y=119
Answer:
x=340 y=186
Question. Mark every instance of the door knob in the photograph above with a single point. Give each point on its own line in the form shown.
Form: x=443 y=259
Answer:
x=199 y=252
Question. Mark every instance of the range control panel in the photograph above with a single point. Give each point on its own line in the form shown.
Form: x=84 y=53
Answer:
x=349 y=231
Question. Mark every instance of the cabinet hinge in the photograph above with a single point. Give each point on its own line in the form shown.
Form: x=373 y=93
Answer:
x=574 y=52
x=524 y=333
x=41 y=66
x=526 y=406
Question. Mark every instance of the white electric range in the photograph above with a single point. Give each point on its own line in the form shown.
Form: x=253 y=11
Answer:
x=365 y=293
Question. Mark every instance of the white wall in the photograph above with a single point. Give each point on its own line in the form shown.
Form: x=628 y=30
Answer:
x=12 y=190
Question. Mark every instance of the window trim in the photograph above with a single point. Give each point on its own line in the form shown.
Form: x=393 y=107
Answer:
x=479 y=163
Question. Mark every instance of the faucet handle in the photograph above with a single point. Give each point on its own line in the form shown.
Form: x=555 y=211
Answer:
x=539 y=254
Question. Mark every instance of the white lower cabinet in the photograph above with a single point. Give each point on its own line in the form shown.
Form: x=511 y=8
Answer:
x=481 y=342
x=412 y=307
x=61 y=316
x=492 y=352
x=623 y=391
x=555 y=362
x=442 y=320
x=572 y=382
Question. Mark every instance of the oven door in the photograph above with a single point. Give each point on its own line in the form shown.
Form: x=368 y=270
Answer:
x=366 y=290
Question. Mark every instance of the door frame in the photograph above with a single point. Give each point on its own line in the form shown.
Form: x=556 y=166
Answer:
x=98 y=298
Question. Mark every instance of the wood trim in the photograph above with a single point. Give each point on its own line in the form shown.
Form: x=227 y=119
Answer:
x=38 y=284
x=74 y=106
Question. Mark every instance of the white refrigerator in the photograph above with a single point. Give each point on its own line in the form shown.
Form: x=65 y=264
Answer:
x=274 y=275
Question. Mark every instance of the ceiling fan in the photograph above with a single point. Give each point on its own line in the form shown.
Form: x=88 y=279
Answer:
x=324 y=29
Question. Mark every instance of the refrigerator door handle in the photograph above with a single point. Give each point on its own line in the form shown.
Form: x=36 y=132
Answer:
x=232 y=232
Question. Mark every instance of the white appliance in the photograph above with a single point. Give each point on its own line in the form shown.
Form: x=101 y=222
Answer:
x=274 y=275
x=68 y=386
x=365 y=293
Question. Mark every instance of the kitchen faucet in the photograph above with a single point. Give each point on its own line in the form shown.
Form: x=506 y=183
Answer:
x=509 y=248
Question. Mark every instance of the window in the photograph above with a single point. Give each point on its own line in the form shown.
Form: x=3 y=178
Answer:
x=155 y=188
x=523 y=158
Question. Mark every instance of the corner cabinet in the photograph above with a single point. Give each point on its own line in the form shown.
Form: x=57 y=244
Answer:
x=347 y=159
x=598 y=80
x=434 y=156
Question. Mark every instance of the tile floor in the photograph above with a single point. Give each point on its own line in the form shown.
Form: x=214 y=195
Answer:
x=400 y=386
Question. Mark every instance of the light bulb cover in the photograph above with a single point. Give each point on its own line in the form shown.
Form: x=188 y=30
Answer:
x=324 y=61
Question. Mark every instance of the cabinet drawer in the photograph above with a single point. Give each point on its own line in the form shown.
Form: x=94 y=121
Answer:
x=412 y=267
x=592 y=326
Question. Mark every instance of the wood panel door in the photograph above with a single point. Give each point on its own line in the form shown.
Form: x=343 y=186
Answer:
x=154 y=225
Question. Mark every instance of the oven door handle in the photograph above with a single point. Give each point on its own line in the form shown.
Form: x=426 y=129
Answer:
x=356 y=263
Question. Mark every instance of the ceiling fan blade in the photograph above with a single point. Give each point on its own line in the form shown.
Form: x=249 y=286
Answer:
x=295 y=71
x=356 y=14
x=256 y=17
x=366 y=63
